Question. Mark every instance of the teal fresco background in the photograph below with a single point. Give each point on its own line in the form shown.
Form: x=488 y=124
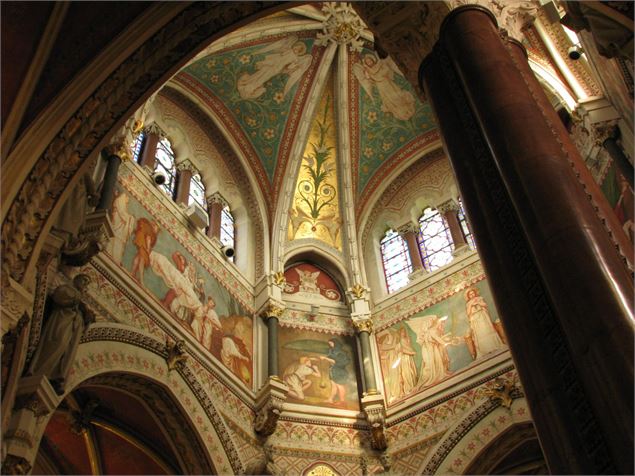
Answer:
x=263 y=119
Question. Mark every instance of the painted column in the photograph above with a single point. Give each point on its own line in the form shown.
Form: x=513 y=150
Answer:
x=185 y=171
x=548 y=259
x=153 y=136
x=409 y=232
x=617 y=154
x=215 y=205
x=110 y=180
x=450 y=211
x=364 y=328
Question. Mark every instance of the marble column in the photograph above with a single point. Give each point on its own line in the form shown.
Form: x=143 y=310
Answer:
x=563 y=291
x=153 y=136
x=409 y=233
x=215 y=205
x=609 y=142
x=185 y=171
x=110 y=180
x=271 y=315
x=450 y=211
x=364 y=328
x=570 y=152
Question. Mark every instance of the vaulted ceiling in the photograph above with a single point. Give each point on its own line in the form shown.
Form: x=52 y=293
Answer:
x=263 y=85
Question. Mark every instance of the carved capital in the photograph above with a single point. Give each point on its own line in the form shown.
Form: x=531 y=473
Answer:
x=602 y=131
x=216 y=198
x=407 y=228
x=513 y=17
x=365 y=325
x=155 y=129
x=36 y=394
x=504 y=392
x=448 y=206
x=269 y=406
x=375 y=411
x=175 y=354
x=186 y=165
x=272 y=309
x=15 y=465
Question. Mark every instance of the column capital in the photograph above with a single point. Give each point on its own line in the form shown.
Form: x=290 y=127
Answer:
x=363 y=325
x=406 y=228
x=271 y=308
x=154 y=128
x=216 y=197
x=448 y=206
x=186 y=165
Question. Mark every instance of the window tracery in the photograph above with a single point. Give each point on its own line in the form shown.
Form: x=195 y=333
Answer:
x=165 y=163
x=435 y=240
x=395 y=260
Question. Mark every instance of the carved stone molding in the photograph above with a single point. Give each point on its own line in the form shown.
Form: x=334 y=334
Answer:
x=269 y=406
x=93 y=236
x=15 y=465
x=176 y=355
x=512 y=15
x=16 y=302
x=375 y=411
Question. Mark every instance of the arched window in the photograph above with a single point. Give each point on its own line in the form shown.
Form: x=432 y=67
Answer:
x=197 y=192
x=137 y=146
x=396 y=260
x=465 y=226
x=435 y=240
x=165 y=163
x=227 y=229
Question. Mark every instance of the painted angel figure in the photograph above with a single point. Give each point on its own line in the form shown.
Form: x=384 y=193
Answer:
x=308 y=281
x=374 y=72
x=288 y=56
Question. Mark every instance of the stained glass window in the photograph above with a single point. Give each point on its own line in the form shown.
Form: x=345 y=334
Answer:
x=165 y=163
x=465 y=226
x=197 y=192
x=227 y=229
x=396 y=260
x=137 y=146
x=435 y=240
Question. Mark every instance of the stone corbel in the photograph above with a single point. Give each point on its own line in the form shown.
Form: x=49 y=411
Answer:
x=176 y=354
x=16 y=302
x=35 y=398
x=269 y=406
x=375 y=411
x=93 y=236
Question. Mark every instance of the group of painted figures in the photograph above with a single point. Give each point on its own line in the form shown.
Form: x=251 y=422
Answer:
x=398 y=354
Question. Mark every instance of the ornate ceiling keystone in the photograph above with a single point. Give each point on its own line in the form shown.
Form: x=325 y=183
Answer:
x=342 y=26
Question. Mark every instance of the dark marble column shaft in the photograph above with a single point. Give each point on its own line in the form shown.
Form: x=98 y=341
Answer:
x=563 y=292
x=110 y=180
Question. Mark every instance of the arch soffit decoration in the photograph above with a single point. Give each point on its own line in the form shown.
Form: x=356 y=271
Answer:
x=427 y=178
x=233 y=162
x=462 y=443
x=113 y=350
x=89 y=128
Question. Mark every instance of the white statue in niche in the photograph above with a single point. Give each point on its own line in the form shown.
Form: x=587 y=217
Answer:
x=308 y=281
x=67 y=321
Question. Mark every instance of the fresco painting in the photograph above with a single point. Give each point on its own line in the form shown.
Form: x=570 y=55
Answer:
x=619 y=194
x=195 y=298
x=390 y=114
x=258 y=83
x=438 y=342
x=319 y=368
x=307 y=279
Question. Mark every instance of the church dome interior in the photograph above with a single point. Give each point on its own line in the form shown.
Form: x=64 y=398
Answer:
x=321 y=238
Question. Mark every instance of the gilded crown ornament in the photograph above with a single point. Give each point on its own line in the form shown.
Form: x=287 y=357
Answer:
x=278 y=278
x=358 y=291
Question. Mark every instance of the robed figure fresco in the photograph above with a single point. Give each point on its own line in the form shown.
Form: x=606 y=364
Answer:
x=484 y=336
x=397 y=361
x=375 y=73
x=288 y=56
